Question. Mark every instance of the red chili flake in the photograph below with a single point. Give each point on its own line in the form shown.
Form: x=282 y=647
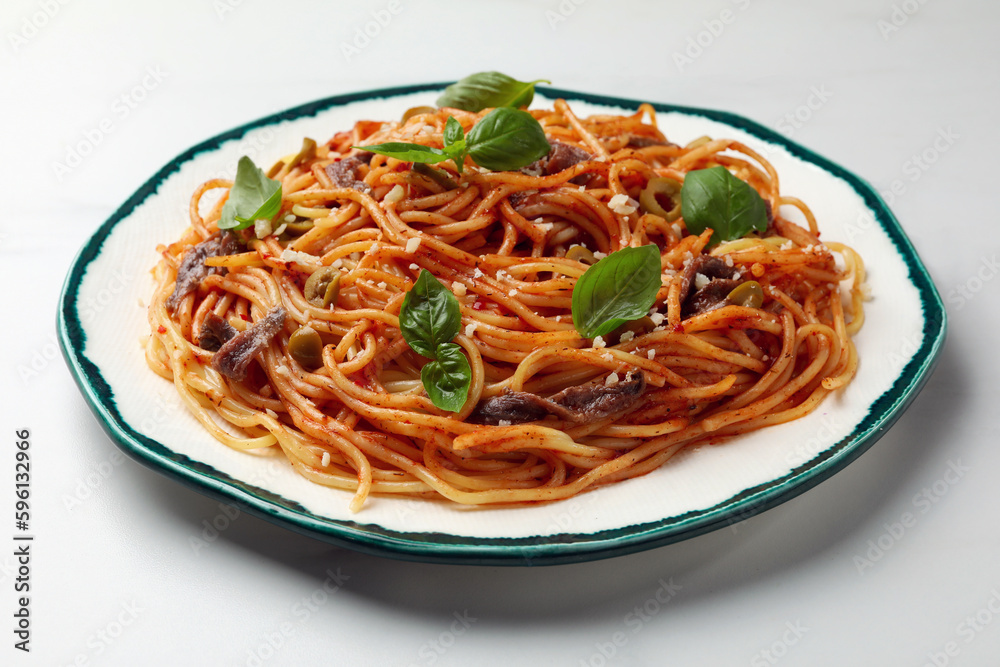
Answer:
x=161 y=329
x=244 y=317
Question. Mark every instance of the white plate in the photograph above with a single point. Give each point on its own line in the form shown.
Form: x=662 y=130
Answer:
x=101 y=321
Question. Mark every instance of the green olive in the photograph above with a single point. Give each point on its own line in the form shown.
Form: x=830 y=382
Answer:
x=436 y=175
x=700 y=141
x=749 y=294
x=323 y=287
x=581 y=254
x=415 y=111
x=299 y=227
x=667 y=188
x=306 y=153
x=306 y=347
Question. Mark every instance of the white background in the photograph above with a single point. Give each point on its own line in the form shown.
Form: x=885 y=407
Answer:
x=118 y=576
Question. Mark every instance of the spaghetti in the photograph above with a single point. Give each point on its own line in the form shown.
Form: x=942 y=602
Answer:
x=510 y=245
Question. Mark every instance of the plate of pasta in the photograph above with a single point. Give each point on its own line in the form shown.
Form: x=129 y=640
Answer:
x=502 y=323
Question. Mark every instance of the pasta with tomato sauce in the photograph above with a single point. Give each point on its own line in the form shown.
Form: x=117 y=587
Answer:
x=421 y=325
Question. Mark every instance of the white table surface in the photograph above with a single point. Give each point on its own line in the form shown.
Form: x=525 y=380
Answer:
x=115 y=579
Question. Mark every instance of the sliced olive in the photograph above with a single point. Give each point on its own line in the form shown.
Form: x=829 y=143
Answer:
x=414 y=111
x=306 y=153
x=747 y=294
x=323 y=287
x=306 y=347
x=299 y=227
x=700 y=141
x=436 y=175
x=581 y=254
x=660 y=191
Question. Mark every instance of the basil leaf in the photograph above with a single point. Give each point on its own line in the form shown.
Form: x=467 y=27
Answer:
x=454 y=142
x=619 y=288
x=447 y=378
x=429 y=316
x=506 y=139
x=714 y=198
x=488 y=89
x=408 y=152
x=253 y=196
x=453 y=132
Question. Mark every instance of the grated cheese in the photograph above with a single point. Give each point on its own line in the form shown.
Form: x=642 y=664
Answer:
x=611 y=380
x=459 y=288
x=297 y=257
x=599 y=342
x=657 y=318
x=261 y=228
x=651 y=354
x=325 y=461
x=412 y=244
x=621 y=204
x=395 y=195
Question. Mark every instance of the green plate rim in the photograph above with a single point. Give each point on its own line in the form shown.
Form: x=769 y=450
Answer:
x=542 y=550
